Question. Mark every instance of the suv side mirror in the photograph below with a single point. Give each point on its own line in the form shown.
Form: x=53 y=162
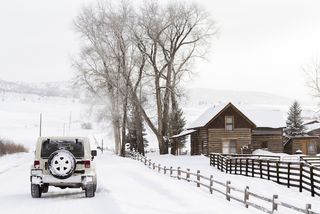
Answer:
x=93 y=153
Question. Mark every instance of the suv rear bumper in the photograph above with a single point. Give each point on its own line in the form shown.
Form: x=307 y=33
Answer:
x=37 y=177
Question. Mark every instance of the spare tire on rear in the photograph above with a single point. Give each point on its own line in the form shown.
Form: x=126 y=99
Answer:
x=62 y=164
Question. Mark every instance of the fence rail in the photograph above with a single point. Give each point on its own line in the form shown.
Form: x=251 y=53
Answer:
x=226 y=189
x=292 y=174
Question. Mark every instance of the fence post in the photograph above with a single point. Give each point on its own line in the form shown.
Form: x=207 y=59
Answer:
x=227 y=164
x=252 y=167
x=235 y=165
x=164 y=170
x=198 y=178
x=300 y=179
x=149 y=163
x=188 y=175
x=260 y=165
x=240 y=166
x=288 y=183
x=145 y=161
x=218 y=161
x=277 y=168
x=247 y=160
x=170 y=170
x=311 y=181
x=274 y=203
x=153 y=166
x=246 y=196
x=308 y=209
x=179 y=173
x=211 y=183
x=228 y=190
x=268 y=168
x=159 y=168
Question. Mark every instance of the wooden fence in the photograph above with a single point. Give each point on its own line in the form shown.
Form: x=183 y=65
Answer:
x=292 y=174
x=244 y=196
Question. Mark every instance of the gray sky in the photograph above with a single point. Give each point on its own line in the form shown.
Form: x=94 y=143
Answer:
x=261 y=45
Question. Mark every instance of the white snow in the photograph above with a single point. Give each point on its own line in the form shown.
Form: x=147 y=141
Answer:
x=124 y=186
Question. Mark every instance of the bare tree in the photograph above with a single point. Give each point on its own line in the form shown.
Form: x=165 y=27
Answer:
x=124 y=48
x=312 y=76
x=170 y=36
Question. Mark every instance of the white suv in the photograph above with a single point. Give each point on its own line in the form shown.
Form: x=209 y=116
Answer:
x=63 y=162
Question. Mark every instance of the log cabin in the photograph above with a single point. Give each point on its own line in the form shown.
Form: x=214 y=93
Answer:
x=303 y=144
x=226 y=129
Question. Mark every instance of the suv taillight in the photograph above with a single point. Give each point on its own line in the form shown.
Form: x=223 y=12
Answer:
x=36 y=164
x=86 y=164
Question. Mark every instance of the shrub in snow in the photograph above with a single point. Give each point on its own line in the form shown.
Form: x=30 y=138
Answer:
x=8 y=147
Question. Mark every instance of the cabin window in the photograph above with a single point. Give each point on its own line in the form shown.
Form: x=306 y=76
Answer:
x=264 y=145
x=311 y=148
x=229 y=123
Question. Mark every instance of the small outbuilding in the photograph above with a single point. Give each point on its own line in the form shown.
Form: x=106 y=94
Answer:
x=304 y=144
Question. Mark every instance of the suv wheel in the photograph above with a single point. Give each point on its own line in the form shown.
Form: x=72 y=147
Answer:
x=90 y=190
x=35 y=191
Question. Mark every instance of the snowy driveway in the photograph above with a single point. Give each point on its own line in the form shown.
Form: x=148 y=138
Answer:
x=124 y=186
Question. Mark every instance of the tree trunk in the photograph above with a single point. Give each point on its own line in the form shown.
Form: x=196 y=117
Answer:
x=166 y=107
x=138 y=126
x=124 y=126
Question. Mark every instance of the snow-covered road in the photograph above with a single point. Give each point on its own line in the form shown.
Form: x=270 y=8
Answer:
x=124 y=186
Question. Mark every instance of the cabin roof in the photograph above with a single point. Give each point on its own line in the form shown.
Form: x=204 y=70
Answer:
x=261 y=116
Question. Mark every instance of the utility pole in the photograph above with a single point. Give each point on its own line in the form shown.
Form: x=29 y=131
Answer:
x=40 y=128
x=64 y=129
x=69 y=122
x=102 y=145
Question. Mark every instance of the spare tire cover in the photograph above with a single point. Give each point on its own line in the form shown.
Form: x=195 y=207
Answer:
x=61 y=164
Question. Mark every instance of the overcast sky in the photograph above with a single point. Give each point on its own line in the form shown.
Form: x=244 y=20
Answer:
x=261 y=45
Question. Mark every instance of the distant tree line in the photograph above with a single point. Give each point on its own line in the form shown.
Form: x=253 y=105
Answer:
x=138 y=58
x=9 y=147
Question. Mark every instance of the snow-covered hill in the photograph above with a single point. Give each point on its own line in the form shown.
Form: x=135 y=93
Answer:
x=55 y=89
x=209 y=97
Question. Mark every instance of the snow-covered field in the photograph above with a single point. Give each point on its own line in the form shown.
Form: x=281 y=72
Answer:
x=20 y=118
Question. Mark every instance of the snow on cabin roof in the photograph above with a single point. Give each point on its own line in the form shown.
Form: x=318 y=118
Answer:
x=207 y=116
x=310 y=126
x=183 y=133
x=261 y=116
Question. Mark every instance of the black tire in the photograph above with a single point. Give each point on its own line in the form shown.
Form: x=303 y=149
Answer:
x=45 y=188
x=35 y=191
x=95 y=184
x=90 y=190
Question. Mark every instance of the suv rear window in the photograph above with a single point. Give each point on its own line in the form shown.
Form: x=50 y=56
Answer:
x=50 y=146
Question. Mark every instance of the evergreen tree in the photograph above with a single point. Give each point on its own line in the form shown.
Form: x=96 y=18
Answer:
x=177 y=123
x=132 y=137
x=294 y=121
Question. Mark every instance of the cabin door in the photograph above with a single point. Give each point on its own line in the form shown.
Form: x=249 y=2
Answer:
x=229 y=146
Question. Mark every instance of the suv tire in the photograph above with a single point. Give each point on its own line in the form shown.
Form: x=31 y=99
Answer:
x=45 y=188
x=62 y=164
x=35 y=191
x=90 y=190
